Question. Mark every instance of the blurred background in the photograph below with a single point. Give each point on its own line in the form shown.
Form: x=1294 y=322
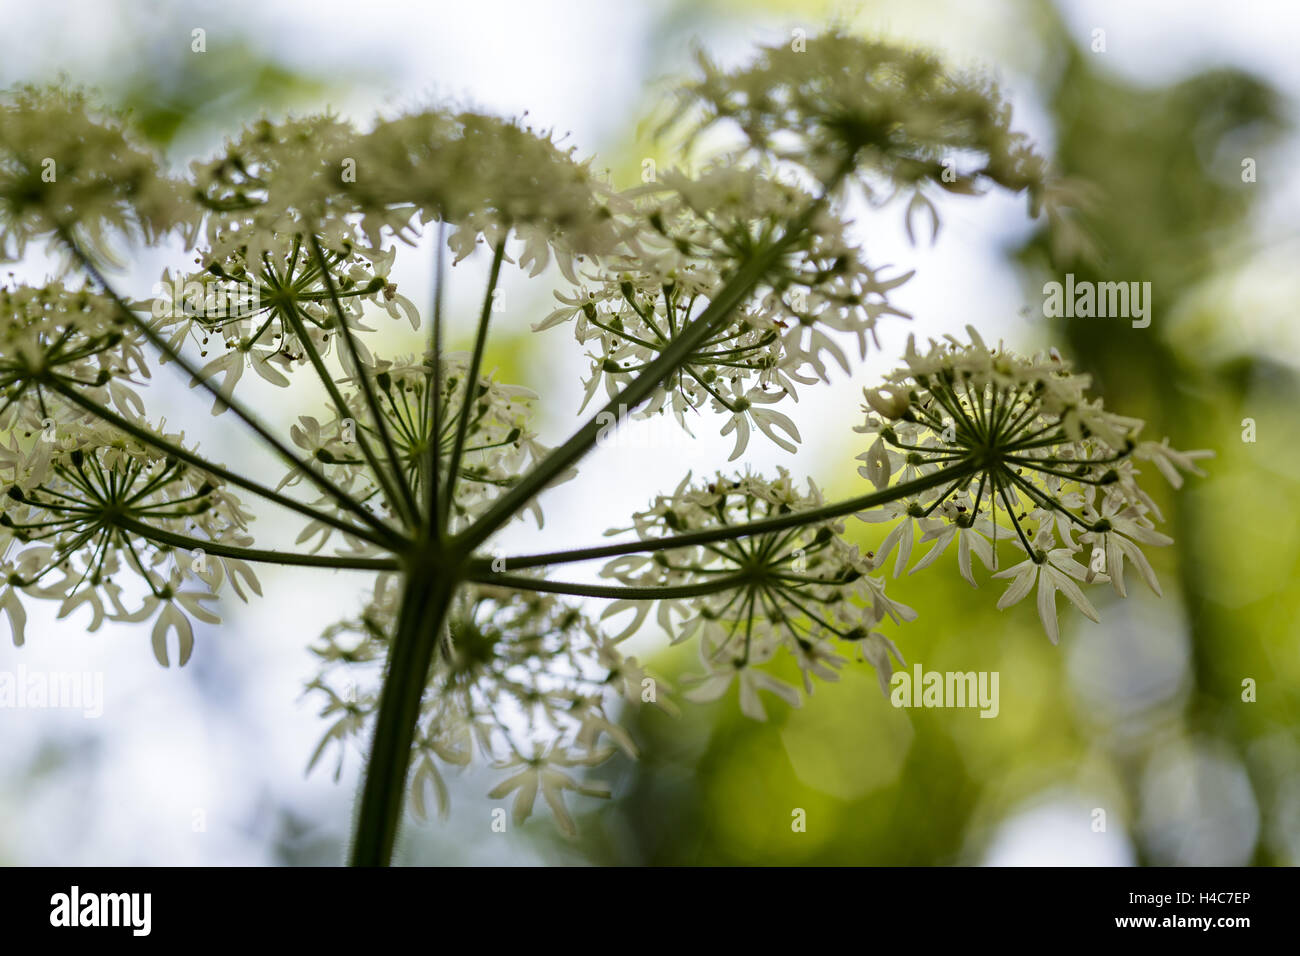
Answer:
x=1141 y=716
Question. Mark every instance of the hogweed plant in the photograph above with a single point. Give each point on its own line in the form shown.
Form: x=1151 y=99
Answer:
x=720 y=291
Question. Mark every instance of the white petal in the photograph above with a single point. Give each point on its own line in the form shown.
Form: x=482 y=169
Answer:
x=1018 y=589
x=1047 y=607
x=170 y=619
x=711 y=689
x=904 y=546
x=942 y=540
x=1074 y=593
x=1140 y=562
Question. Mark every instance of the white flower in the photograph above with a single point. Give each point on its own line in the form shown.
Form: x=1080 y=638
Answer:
x=540 y=773
x=1170 y=461
x=997 y=447
x=804 y=590
x=969 y=541
x=881 y=112
x=516 y=674
x=1058 y=571
x=877 y=650
x=686 y=237
x=910 y=517
x=68 y=164
x=751 y=680
x=744 y=408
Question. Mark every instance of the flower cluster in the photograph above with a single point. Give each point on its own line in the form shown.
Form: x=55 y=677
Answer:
x=82 y=522
x=500 y=444
x=804 y=588
x=691 y=235
x=272 y=312
x=488 y=178
x=278 y=180
x=523 y=681
x=895 y=118
x=998 y=445
x=69 y=169
x=54 y=337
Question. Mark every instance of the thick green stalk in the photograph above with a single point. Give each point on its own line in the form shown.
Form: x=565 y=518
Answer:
x=433 y=527
x=426 y=596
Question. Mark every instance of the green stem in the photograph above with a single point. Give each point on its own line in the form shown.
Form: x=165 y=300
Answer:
x=471 y=384
x=215 y=548
x=268 y=557
x=290 y=312
x=425 y=599
x=433 y=466
x=401 y=499
x=523 y=583
x=712 y=535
